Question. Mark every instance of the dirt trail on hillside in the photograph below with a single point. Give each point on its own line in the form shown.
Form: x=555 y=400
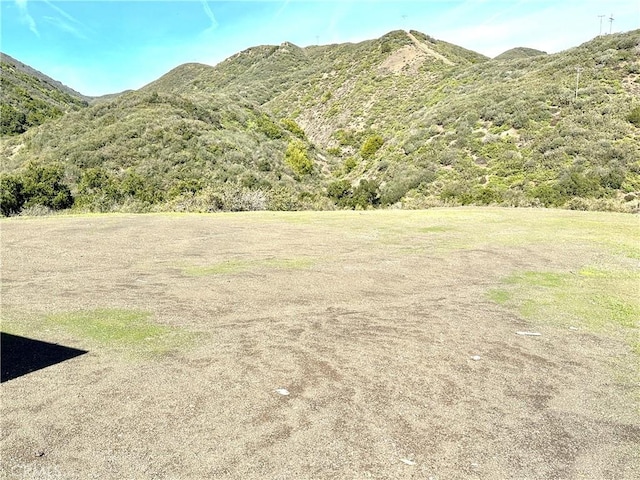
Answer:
x=429 y=51
x=371 y=330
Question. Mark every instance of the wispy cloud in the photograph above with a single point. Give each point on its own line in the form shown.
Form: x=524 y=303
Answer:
x=62 y=21
x=281 y=9
x=26 y=18
x=61 y=12
x=60 y=24
x=209 y=13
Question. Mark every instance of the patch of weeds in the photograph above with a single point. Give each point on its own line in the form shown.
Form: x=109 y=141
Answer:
x=621 y=312
x=239 y=266
x=131 y=330
x=593 y=272
x=536 y=279
x=499 y=296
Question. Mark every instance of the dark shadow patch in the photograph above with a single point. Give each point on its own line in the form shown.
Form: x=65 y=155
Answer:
x=21 y=355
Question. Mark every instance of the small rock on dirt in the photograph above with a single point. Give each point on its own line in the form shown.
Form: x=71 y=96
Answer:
x=282 y=391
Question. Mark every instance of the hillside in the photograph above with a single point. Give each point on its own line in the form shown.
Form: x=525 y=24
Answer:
x=518 y=53
x=29 y=97
x=509 y=133
x=404 y=120
x=146 y=148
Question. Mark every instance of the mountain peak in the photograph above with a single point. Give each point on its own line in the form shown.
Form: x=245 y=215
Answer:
x=518 y=53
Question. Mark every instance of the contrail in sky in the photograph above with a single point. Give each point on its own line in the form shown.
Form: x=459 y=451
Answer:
x=212 y=17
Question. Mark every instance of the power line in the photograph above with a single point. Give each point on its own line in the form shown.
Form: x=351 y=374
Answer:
x=611 y=19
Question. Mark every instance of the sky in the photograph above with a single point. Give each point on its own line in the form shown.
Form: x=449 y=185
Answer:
x=107 y=46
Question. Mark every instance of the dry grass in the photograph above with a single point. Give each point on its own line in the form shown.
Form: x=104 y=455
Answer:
x=369 y=319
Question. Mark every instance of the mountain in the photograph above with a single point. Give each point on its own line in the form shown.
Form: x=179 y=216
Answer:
x=518 y=53
x=29 y=97
x=405 y=120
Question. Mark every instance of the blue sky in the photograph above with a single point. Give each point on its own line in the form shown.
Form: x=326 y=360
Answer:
x=99 y=47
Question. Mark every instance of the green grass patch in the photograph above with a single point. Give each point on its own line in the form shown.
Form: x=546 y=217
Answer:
x=499 y=296
x=131 y=330
x=537 y=279
x=238 y=266
x=597 y=300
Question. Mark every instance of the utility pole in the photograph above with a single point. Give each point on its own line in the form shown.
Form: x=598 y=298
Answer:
x=611 y=19
x=578 y=70
x=601 y=17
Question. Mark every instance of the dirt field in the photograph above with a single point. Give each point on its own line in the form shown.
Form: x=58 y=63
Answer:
x=370 y=320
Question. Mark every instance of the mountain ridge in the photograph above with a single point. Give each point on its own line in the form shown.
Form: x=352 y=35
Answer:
x=404 y=120
x=30 y=98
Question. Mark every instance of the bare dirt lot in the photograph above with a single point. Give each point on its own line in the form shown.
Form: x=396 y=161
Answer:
x=393 y=332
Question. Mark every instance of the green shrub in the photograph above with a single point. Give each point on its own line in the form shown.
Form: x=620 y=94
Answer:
x=486 y=196
x=366 y=194
x=402 y=182
x=98 y=190
x=293 y=127
x=43 y=185
x=634 y=116
x=144 y=189
x=349 y=164
x=576 y=183
x=297 y=158
x=11 y=194
x=339 y=191
x=457 y=192
x=268 y=127
x=371 y=146
x=11 y=120
x=282 y=199
x=548 y=195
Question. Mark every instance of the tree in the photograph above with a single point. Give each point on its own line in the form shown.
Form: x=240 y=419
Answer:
x=340 y=192
x=11 y=194
x=43 y=185
x=366 y=193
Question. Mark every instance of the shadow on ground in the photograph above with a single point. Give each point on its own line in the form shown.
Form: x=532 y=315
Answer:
x=21 y=355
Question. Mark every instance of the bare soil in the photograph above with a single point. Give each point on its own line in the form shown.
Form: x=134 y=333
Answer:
x=372 y=334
